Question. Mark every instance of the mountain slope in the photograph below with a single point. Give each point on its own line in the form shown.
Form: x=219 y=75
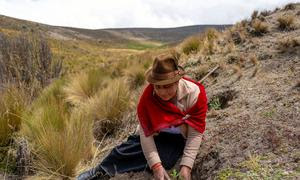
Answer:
x=121 y=35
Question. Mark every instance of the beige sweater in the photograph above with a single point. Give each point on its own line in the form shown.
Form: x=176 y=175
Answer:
x=187 y=95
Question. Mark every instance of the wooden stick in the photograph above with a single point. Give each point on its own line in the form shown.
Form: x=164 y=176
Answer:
x=215 y=68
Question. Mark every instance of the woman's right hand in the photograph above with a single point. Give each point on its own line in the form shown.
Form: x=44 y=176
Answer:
x=160 y=174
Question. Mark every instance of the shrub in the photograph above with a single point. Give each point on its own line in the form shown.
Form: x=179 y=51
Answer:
x=259 y=27
x=286 y=22
x=85 y=85
x=108 y=106
x=191 y=45
x=60 y=136
x=12 y=105
x=27 y=61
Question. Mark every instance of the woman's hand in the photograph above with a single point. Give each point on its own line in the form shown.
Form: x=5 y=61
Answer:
x=160 y=174
x=185 y=173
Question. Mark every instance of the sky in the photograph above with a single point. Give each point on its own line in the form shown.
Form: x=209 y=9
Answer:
x=99 y=14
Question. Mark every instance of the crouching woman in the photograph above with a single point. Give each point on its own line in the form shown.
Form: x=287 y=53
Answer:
x=171 y=114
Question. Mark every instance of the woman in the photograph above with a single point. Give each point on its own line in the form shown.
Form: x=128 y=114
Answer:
x=171 y=114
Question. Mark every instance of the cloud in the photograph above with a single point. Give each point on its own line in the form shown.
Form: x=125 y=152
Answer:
x=134 y=13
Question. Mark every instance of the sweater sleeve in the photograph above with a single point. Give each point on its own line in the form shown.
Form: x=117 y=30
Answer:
x=191 y=148
x=149 y=148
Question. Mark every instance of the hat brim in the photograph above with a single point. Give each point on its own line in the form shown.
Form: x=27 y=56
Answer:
x=176 y=78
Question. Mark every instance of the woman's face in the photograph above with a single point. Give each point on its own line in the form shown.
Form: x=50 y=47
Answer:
x=166 y=92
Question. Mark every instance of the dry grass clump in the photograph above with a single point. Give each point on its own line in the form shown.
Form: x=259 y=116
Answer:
x=238 y=33
x=290 y=6
x=27 y=60
x=191 y=45
x=287 y=43
x=12 y=105
x=60 y=136
x=135 y=76
x=210 y=37
x=205 y=42
x=85 y=85
x=286 y=22
x=259 y=27
x=109 y=105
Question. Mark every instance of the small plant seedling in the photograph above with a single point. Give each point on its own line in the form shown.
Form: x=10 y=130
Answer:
x=175 y=175
x=215 y=104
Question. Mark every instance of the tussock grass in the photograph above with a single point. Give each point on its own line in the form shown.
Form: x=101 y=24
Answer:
x=286 y=22
x=12 y=105
x=109 y=105
x=191 y=45
x=135 y=76
x=85 y=85
x=205 y=42
x=259 y=27
x=60 y=136
x=288 y=43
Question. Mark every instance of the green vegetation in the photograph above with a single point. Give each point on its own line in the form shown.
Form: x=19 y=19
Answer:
x=215 y=104
x=253 y=168
x=175 y=175
x=141 y=45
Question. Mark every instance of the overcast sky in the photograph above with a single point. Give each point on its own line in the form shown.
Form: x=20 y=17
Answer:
x=96 y=14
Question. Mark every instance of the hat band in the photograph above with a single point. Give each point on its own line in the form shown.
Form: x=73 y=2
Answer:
x=164 y=76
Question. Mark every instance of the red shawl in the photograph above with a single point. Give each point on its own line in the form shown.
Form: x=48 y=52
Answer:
x=155 y=114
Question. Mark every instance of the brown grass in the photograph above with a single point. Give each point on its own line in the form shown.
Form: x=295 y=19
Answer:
x=27 y=61
x=288 y=43
x=85 y=85
x=59 y=135
x=109 y=105
x=253 y=60
x=286 y=22
x=259 y=27
x=191 y=45
x=12 y=104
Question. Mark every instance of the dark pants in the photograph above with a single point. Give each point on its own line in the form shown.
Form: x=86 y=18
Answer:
x=129 y=156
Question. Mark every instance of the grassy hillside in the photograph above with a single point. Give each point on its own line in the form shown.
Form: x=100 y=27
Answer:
x=253 y=119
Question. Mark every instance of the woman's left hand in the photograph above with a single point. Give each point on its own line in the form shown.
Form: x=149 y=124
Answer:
x=185 y=173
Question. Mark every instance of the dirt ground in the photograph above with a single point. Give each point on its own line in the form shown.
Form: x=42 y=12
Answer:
x=256 y=132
